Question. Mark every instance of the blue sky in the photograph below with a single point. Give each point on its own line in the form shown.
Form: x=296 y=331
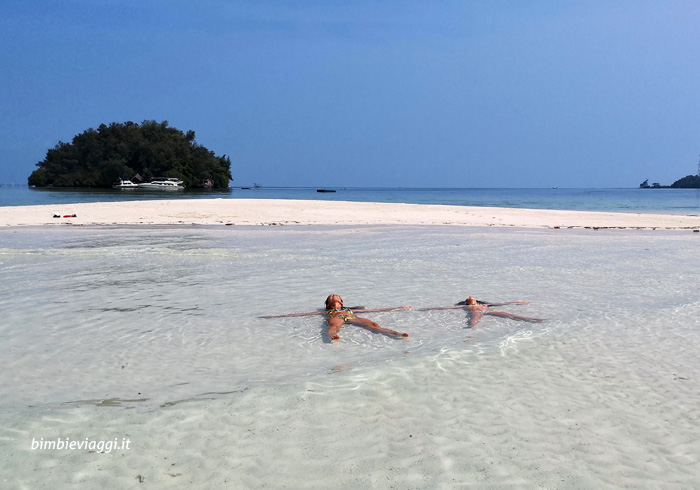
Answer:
x=368 y=93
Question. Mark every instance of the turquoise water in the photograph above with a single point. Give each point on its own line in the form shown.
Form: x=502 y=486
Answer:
x=674 y=201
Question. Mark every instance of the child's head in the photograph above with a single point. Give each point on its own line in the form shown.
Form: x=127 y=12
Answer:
x=333 y=300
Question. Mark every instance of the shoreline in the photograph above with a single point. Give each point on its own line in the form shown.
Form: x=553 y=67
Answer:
x=307 y=212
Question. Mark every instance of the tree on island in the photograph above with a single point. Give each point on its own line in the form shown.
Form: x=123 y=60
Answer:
x=687 y=182
x=99 y=157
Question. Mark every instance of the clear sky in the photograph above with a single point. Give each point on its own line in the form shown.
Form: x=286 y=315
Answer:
x=439 y=93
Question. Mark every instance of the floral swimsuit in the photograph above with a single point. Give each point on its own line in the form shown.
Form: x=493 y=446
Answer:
x=344 y=314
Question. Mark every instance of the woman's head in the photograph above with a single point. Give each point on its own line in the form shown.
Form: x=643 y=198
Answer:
x=470 y=301
x=334 y=301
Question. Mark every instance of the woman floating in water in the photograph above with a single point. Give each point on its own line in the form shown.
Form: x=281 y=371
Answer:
x=477 y=309
x=338 y=315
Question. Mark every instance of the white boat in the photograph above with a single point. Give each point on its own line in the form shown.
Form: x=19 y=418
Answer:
x=124 y=184
x=169 y=184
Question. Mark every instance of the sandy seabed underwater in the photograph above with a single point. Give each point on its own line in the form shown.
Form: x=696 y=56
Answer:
x=152 y=335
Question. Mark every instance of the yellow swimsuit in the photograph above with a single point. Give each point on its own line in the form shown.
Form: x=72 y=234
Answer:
x=345 y=314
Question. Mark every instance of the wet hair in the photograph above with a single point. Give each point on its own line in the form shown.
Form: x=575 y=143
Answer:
x=478 y=302
x=328 y=300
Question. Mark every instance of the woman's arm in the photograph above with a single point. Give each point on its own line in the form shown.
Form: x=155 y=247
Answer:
x=362 y=310
x=313 y=313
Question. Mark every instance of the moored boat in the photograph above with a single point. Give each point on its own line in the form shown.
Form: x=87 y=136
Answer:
x=168 y=184
x=124 y=184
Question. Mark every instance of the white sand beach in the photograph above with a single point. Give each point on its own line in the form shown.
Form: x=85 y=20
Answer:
x=287 y=212
x=152 y=334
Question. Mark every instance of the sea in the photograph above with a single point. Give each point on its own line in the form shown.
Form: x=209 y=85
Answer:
x=633 y=200
x=155 y=334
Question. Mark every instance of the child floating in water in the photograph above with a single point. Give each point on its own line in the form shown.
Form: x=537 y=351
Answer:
x=477 y=309
x=338 y=315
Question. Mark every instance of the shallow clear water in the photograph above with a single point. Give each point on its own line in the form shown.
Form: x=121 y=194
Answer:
x=153 y=317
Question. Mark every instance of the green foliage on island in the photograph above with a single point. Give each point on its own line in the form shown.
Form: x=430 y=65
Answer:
x=687 y=182
x=99 y=157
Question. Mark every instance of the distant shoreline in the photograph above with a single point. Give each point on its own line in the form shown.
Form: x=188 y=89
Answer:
x=628 y=200
x=667 y=187
x=229 y=212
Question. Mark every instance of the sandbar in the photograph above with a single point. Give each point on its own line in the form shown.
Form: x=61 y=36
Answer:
x=306 y=212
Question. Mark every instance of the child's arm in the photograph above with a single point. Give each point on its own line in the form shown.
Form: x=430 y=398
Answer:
x=508 y=303
x=456 y=307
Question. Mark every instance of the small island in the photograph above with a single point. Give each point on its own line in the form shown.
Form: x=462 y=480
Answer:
x=141 y=152
x=687 y=182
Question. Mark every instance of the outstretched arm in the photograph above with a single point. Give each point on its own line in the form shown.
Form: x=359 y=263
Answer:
x=362 y=310
x=507 y=303
x=456 y=307
x=312 y=313
x=489 y=303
